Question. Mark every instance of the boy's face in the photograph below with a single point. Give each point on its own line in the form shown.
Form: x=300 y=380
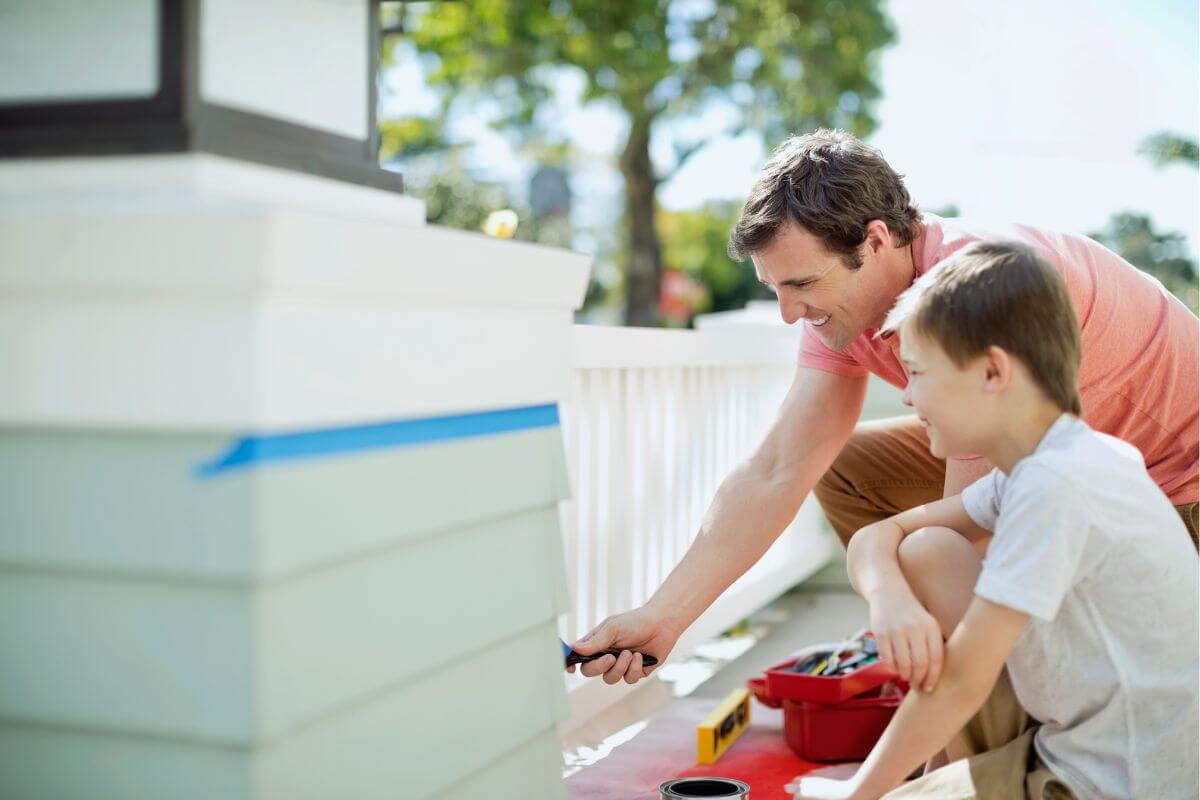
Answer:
x=949 y=399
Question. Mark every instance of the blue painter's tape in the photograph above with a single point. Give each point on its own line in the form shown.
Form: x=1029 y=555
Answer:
x=255 y=450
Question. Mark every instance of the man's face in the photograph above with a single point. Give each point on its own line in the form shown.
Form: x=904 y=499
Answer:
x=815 y=285
x=947 y=398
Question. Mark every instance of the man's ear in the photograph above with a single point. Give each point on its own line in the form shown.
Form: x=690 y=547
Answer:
x=879 y=238
x=997 y=370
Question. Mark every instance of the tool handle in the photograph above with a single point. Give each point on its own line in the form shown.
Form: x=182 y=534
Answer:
x=578 y=658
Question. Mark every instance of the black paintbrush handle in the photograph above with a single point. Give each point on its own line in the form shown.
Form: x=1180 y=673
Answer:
x=578 y=658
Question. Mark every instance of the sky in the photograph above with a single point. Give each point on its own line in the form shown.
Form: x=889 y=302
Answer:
x=1024 y=111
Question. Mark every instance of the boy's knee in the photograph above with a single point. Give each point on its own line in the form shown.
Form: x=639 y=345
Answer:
x=922 y=547
x=929 y=554
x=941 y=567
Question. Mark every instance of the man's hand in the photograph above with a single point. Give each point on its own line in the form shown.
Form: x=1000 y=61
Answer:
x=909 y=638
x=830 y=783
x=641 y=630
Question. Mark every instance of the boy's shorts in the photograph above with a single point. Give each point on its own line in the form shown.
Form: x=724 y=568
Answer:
x=996 y=759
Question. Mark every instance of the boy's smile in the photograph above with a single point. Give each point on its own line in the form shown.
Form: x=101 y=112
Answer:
x=945 y=396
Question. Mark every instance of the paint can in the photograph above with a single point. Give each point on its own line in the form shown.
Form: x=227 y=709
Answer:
x=691 y=788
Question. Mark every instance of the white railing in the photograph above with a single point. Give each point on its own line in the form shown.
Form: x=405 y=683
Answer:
x=654 y=421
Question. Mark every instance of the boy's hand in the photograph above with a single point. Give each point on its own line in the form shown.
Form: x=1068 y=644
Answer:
x=641 y=630
x=830 y=783
x=909 y=638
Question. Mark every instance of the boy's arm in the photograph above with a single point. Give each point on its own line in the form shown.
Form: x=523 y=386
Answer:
x=871 y=559
x=910 y=639
x=925 y=723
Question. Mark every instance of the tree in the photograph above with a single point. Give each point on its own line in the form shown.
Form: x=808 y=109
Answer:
x=1165 y=148
x=1131 y=234
x=783 y=65
x=453 y=196
x=694 y=242
x=1163 y=255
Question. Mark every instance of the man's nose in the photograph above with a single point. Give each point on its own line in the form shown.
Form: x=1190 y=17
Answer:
x=791 y=310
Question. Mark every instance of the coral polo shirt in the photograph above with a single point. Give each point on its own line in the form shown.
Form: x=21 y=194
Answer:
x=1141 y=361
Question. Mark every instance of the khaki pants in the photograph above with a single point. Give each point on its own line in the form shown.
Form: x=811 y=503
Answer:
x=886 y=468
x=996 y=759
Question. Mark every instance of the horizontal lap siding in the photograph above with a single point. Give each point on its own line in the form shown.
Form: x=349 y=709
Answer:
x=351 y=611
x=410 y=742
x=133 y=503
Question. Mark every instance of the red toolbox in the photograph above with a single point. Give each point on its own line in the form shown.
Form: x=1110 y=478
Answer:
x=785 y=684
x=843 y=732
x=831 y=719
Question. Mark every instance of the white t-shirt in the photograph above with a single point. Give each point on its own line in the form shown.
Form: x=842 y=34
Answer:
x=1090 y=548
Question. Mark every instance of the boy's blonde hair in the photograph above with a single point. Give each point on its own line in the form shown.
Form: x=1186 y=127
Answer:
x=1000 y=294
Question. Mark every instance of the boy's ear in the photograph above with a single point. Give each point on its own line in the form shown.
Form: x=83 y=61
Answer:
x=998 y=369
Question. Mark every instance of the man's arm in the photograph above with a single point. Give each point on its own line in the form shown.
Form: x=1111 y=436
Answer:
x=925 y=723
x=753 y=505
x=759 y=498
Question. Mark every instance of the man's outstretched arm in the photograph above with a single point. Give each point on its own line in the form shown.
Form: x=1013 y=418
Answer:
x=753 y=505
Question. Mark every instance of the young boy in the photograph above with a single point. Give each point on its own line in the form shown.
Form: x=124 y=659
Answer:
x=1091 y=606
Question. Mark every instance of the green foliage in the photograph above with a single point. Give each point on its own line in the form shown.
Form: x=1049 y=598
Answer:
x=1167 y=148
x=1163 y=255
x=784 y=65
x=947 y=211
x=409 y=137
x=1131 y=234
x=788 y=64
x=694 y=242
x=456 y=199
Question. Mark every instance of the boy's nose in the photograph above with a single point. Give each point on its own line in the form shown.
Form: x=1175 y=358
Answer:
x=906 y=398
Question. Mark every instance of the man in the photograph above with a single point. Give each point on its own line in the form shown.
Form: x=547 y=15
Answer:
x=832 y=230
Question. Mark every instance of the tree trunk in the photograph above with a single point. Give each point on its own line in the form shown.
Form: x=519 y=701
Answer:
x=643 y=263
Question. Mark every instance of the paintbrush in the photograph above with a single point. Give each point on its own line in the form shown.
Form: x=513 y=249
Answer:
x=578 y=658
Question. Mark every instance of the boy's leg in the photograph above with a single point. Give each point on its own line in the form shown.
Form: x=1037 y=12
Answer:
x=941 y=567
x=1006 y=768
x=1008 y=772
x=885 y=468
x=992 y=756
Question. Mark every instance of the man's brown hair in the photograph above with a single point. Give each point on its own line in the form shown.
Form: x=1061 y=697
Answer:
x=1000 y=294
x=831 y=184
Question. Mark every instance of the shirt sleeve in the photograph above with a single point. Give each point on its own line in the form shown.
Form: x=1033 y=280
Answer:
x=982 y=499
x=814 y=354
x=1036 y=555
